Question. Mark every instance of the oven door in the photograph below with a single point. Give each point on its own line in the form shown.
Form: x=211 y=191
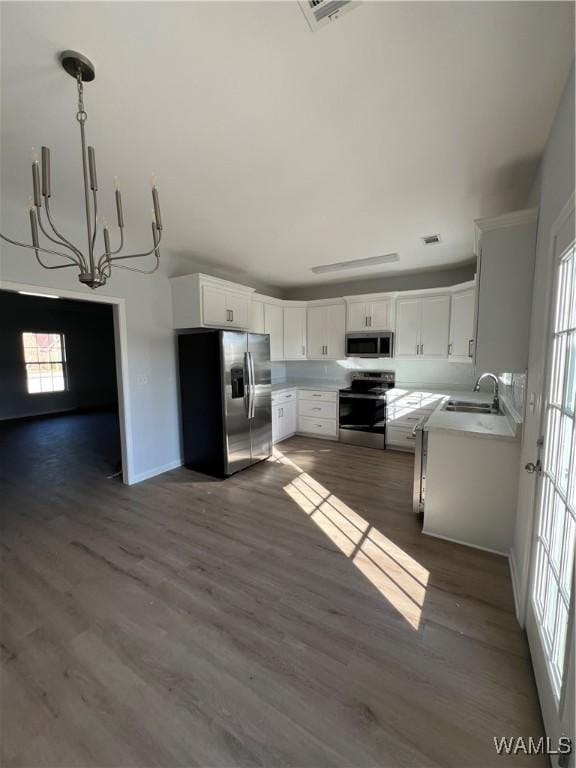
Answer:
x=362 y=414
x=362 y=345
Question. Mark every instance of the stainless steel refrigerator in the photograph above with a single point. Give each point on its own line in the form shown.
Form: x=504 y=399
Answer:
x=225 y=396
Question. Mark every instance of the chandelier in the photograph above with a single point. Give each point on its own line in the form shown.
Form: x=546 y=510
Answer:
x=94 y=269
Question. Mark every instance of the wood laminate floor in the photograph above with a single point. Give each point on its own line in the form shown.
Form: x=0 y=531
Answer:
x=292 y=615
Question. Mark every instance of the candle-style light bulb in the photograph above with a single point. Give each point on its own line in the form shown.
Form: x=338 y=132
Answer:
x=46 y=183
x=153 y=181
x=119 y=211
x=116 y=183
x=36 y=179
x=30 y=202
x=106 y=237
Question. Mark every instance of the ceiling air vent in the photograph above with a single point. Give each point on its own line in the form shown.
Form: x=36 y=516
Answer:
x=430 y=239
x=321 y=12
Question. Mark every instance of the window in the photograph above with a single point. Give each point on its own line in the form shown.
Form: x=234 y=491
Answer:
x=45 y=360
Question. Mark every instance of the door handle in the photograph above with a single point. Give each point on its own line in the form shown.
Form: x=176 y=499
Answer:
x=533 y=468
x=252 y=386
x=247 y=388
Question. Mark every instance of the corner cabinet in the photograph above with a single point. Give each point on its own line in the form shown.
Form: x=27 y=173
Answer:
x=422 y=327
x=200 y=301
x=326 y=331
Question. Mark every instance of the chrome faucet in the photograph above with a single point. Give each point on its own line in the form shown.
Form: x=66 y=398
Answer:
x=494 y=379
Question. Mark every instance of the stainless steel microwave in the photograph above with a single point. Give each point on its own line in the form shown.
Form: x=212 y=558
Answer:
x=370 y=344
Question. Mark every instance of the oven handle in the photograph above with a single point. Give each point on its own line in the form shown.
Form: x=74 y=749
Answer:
x=419 y=426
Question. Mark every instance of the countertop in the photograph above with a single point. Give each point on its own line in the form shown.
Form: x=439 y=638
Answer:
x=501 y=427
x=326 y=386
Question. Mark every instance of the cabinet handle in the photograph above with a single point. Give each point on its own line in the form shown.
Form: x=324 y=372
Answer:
x=470 y=342
x=316 y=395
x=232 y=314
x=417 y=349
x=281 y=412
x=316 y=409
x=421 y=349
x=303 y=349
x=370 y=321
x=450 y=348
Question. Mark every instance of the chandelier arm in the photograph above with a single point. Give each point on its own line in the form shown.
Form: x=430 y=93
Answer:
x=76 y=261
x=63 y=240
x=55 y=266
x=139 y=255
x=141 y=271
x=44 y=250
x=105 y=256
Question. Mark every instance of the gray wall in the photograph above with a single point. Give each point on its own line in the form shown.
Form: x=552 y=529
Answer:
x=91 y=367
x=553 y=186
x=411 y=281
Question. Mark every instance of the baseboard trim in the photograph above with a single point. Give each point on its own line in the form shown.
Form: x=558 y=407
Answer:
x=515 y=588
x=153 y=472
x=466 y=544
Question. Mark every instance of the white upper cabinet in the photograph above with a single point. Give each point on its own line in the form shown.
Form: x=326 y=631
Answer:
x=365 y=316
x=423 y=326
x=461 y=344
x=435 y=326
x=200 y=301
x=506 y=250
x=295 y=333
x=407 y=327
x=274 y=325
x=326 y=331
x=257 y=316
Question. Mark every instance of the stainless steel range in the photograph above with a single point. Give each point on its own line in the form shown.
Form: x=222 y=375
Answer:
x=362 y=408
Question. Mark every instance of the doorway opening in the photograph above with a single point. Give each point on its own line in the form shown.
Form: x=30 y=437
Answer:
x=59 y=399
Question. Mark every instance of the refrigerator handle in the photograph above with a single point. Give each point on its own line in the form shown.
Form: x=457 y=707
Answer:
x=252 y=384
x=247 y=387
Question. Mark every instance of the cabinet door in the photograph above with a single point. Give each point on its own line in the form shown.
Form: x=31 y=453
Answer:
x=289 y=418
x=316 y=332
x=407 y=327
x=276 y=423
x=214 y=306
x=357 y=316
x=238 y=310
x=381 y=315
x=335 y=331
x=274 y=325
x=257 y=316
x=294 y=333
x=462 y=325
x=435 y=326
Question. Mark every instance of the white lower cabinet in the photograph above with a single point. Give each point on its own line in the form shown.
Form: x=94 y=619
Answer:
x=284 y=418
x=404 y=411
x=317 y=413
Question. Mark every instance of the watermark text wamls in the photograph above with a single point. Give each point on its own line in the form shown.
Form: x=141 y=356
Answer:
x=544 y=745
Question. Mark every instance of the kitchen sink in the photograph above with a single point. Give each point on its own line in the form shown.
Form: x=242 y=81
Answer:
x=467 y=406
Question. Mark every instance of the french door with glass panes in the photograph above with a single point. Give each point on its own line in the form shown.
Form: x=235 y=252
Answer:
x=551 y=609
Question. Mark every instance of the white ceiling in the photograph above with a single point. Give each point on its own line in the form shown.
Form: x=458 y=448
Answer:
x=278 y=149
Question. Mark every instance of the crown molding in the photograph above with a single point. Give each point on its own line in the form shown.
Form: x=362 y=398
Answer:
x=513 y=219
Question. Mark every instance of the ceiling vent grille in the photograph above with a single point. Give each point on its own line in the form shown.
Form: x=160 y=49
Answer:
x=321 y=12
x=430 y=239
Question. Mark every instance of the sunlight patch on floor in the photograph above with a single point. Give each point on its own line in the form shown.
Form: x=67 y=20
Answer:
x=394 y=573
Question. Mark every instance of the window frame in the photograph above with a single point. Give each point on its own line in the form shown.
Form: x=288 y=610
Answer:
x=63 y=362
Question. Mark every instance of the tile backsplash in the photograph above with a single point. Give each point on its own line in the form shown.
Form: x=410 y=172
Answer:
x=432 y=373
x=513 y=387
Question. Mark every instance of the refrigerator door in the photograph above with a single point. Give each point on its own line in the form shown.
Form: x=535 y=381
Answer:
x=236 y=401
x=261 y=395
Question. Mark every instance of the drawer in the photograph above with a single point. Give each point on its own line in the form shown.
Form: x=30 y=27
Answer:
x=314 y=426
x=402 y=417
x=317 y=409
x=283 y=396
x=400 y=437
x=317 y=394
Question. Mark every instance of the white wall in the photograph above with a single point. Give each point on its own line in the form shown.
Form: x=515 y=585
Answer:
x=151 y=347
x=554 y=185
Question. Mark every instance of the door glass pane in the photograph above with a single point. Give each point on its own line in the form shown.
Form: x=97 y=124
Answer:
x=557 y=516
